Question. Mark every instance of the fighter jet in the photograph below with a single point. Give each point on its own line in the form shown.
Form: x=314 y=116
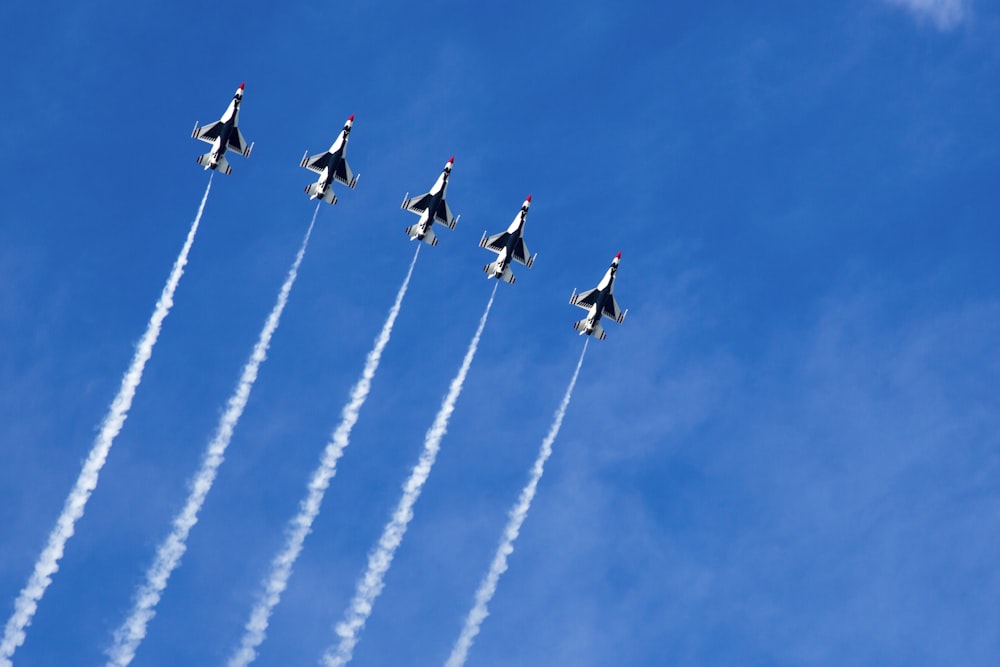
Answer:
x=599 y=302
x=331 y=166
x=431 y=208
x=223 y=135
x=508 y=245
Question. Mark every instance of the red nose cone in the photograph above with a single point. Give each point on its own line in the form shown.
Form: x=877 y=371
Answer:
x=619 y=255
x=351 y=119
x=528 y=199
x=451 y=160
x=243 y=84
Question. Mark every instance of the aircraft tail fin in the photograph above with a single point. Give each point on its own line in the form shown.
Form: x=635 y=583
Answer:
x=491 y=272
x=313 y=191
x=429 y=237
x=220 y=165
x=597 y=330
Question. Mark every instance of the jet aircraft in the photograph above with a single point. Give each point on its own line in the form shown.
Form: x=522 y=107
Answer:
x=599 y=302
x=331 y=166
x=223 y=135
x=431 y=208
x=508 y=245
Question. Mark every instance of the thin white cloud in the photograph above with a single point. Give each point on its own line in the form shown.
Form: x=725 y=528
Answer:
x=48 y=562
x=301 y=525
x=944 y=14
x=370 y=585
x=488 y=586
x=132 y=631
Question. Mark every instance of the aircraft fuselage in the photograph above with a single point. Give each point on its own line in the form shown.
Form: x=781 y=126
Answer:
x=228 y=121
x=332 y=165
x=605 y=286
x=429 y=214
x=503 y=259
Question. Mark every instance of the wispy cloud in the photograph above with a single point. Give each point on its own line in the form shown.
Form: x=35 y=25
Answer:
x=488 y=586
x=76 y=502
x=944 y=14
x=168 y=556
x=370 y=585
x=301 y=525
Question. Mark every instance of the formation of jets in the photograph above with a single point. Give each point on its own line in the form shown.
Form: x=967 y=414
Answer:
x=331 y=165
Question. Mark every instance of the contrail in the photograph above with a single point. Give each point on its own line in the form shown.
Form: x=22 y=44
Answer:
x=301 y=525
x=48 y=563
x=131 y=633
x=371 y=583
x=488 y=586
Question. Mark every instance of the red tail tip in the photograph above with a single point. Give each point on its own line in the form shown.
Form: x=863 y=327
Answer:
x=351 y=119
x=528 y=199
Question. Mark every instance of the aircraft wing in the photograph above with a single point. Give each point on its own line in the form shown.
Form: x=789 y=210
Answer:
x=585 y=299
x=208 y=133
x=612 y=309
x=418 y=204
x=343 y=174
x=316 y=162
x=521 y=254
x=444 y=216
x=238 y=143
x=496 y=242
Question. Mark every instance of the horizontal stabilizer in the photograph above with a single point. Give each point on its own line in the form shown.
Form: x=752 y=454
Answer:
x=429 y=238
x=220 y=165
x=597 y=331
x=491 y=272
x=328 y=196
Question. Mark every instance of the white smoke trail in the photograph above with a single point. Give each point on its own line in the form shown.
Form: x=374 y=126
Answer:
x=488 y=586
x=133 y=630
x=301 y=525
x=371 y=583
x=48 y=562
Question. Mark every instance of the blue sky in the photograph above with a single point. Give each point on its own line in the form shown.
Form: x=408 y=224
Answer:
x=787 y=454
